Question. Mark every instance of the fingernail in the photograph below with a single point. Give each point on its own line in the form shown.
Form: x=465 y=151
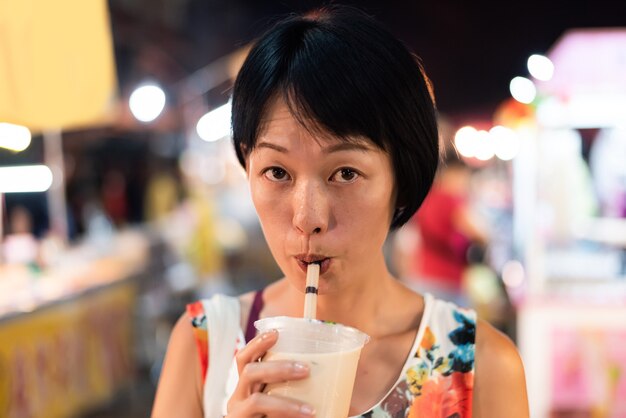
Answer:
x=267 y=334
x=307 y=410
x=300 y=368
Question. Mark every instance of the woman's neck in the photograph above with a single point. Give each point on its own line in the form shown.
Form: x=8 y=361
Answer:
x=359 y=304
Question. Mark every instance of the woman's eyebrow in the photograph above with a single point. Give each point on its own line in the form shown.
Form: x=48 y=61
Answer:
x=347 y=146
x=269 y=145
x=342 y=146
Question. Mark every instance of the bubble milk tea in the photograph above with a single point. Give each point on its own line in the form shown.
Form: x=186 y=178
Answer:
x=329 y=386
x=332 y=352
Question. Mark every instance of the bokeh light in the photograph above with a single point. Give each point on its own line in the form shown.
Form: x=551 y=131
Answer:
x=540 y=67
x=464 y=141
x=14 y=137
x=513 y=273
x=505 y=141
x=147 y=102
x=523 y=90
x=484 y=148
x=23 y=179
x=215 y=125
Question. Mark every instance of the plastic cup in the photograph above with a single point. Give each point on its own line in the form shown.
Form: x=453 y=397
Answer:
x=332 y=352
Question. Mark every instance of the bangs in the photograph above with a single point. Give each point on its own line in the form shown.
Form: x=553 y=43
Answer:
x=329 y=97
x=321 y=126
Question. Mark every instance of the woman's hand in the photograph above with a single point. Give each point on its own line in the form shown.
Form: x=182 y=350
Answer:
x=248 y=400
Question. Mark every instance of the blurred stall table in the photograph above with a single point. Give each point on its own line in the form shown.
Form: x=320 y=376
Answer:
x=66 y=333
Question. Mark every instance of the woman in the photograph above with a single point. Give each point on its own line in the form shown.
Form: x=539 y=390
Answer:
x=335 y=126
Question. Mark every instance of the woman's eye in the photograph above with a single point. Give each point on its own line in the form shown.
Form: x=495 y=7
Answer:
x=345 y=175
x=276 y=174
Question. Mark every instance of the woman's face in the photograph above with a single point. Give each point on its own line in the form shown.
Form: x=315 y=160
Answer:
x=320 y=199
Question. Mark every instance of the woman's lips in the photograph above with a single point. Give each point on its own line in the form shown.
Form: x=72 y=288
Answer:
x=324 y=264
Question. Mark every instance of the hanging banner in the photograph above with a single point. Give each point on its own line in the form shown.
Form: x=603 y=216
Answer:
x=56 y=63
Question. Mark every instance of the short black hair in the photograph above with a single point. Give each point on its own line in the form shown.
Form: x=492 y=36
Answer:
x=341 y=69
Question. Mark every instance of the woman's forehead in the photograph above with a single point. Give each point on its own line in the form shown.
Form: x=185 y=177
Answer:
x=277 y=109
x=280 y=124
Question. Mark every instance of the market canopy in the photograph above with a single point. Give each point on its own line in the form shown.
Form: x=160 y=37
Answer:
x=56 y=63
x=588 y=88
x=588 y=60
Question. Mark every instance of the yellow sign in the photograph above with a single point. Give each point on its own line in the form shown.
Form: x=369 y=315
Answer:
x=62 y=359
x=56 y=63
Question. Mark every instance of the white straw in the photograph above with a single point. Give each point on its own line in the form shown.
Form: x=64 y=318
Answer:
x=310 y=296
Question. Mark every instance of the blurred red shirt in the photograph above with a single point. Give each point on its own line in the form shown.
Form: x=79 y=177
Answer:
x=441 y=254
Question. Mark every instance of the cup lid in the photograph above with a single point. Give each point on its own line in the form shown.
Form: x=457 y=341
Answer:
x=313 y=329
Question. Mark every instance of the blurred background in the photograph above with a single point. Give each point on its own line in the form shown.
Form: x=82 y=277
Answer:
x=121 y=199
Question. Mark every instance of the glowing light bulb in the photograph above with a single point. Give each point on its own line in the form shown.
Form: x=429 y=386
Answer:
x=523 y=90
x=22 y=179
x=505 y=141
x=465 y=141
x=540 y=67
x=147 y=102
x=215 y=124
x=14 y=137
x=484 y=146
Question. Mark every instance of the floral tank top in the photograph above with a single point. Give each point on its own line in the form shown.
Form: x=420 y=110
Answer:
x=437 y=379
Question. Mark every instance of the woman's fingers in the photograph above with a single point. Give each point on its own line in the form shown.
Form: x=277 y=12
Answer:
x=261 y=405
x=247 y=400
x=254 y=375
x=256 y=348
x=261 y=373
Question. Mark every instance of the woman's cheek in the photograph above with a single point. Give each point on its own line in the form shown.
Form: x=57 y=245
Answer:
x=262 y=198
x=274 y=218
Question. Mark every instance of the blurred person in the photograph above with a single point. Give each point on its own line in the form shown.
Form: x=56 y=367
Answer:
x=114 y=199
x=162 y=195
x=202 y=248
x=98 y=227
x=449 y=235
x=20 y=245
x=335 y=125
x=606 y=161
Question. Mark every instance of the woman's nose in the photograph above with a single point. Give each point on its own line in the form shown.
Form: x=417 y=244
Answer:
x=311 y=209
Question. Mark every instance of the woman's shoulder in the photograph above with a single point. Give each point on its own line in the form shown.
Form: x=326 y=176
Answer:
x=499 y=379
x=496 y=353
x=185 y=327
x=176 y=390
